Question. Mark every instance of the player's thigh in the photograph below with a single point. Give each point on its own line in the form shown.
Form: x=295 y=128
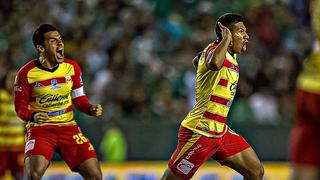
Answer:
x=245 y=162
x=301 y=172
x=192 y=151
x=75 y=147
x=90 y=168
x=36 y=165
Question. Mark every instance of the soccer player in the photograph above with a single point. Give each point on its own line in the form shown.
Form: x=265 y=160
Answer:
x=11 y=132
x=46 y=89
x=305 y=145
x=204 y=132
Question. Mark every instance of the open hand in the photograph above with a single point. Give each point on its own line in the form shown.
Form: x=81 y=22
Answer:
x=226 y=33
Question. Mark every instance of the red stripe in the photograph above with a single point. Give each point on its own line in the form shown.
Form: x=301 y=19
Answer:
x=219 y=100
x=228 y=64
x=223 y=82
x=70 y=108
x=212 y=46
x=215 y=117
x=48 y=81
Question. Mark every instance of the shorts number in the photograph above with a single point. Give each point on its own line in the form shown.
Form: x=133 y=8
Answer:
x=80 y=138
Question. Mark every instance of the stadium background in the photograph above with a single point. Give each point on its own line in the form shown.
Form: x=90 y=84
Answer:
x=136 y=61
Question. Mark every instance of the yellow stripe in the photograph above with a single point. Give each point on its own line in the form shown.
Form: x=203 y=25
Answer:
x=309 y=83
x=195 y=137
x=219 y=109
x=216 y=126
x=11 y=141
x=36 y=74
x=6 y=129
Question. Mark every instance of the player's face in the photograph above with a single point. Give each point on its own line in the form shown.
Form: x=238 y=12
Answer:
x=54 y=47
x=240 y=38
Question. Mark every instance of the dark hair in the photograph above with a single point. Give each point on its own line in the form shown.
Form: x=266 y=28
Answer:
x=227 y=20
x=38 y=35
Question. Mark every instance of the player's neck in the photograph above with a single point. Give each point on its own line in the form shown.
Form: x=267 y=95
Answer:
x=45 y=62
x=231 y=53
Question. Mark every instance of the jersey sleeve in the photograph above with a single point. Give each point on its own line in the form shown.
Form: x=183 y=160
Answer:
x=205 y=56
x=22 y=92
x=79 y=98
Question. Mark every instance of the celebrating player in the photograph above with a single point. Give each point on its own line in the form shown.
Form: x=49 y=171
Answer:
x=45 y=90
x=204 y=132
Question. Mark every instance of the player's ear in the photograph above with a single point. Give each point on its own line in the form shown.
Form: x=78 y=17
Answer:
x=40 y=48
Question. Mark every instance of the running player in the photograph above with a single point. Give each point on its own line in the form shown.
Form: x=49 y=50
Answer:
x=204 y=133
x=45 y=91
x=305 y=145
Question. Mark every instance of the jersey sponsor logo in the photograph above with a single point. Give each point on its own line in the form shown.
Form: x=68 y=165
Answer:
x=38 y=84
x=194 y=150
x=68 y=79
x=30 y=145
x=185 y=166
x=53 y=98
x=54 y=84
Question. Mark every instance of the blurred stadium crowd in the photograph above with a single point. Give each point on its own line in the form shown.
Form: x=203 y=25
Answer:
x=136 y=54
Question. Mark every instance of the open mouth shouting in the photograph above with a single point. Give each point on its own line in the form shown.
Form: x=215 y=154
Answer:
x=60 y=53
x=244 y=45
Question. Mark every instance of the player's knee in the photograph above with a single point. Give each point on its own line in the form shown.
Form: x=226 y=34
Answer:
x=34 y=174
x=93 y=174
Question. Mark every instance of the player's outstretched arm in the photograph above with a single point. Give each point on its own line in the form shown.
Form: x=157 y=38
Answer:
x=215 y=59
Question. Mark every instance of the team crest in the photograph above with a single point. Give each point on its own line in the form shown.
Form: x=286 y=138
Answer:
x=68 y=79
x=54 y=84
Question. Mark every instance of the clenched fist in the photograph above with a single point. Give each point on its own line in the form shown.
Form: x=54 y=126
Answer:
x=96 y=110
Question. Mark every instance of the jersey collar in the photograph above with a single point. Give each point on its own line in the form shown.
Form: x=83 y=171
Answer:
x=231 y=58
x=40 y=66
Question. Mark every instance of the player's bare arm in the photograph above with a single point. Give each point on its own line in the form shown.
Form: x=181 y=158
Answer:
x=215 y=61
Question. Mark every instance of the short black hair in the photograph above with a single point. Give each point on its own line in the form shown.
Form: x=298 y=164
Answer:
x=227 y=20
x=38 y=35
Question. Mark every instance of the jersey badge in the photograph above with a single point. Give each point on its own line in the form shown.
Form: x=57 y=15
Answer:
x=68 y=79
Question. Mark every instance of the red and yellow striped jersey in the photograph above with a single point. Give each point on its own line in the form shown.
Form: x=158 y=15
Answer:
x=38 y=89
x=309 y=79
x=215 y=91
x=11 y=127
